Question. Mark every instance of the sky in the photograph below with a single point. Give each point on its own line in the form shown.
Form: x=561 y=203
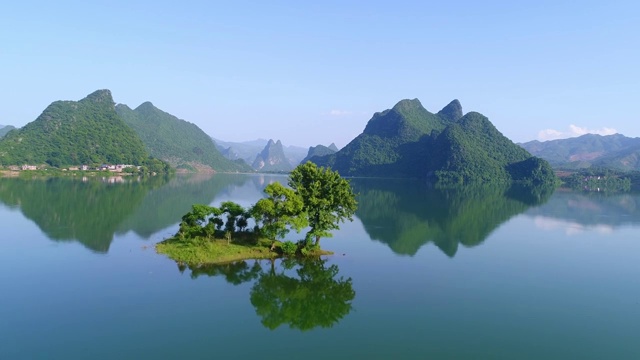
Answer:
x=311 y=73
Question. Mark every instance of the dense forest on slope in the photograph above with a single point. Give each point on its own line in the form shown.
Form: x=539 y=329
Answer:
x=447 y=147
x=4 y=129
x=473 y=149
x=383 y=143
x=180 y=143
x=88 y=131
x=611 y=151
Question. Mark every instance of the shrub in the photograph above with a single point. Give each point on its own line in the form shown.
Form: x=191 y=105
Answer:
x=289 y=248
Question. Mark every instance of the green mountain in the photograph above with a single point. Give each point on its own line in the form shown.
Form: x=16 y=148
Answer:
x=446 y=147
x=612 y=151
x=386 y=141
x=473 y=149
x=88 y=131
x=178 y=142
x=320 y=150
x=4 y=129
x=272 y=158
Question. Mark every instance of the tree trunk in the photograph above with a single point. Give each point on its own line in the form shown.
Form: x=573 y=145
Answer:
x=317 y=240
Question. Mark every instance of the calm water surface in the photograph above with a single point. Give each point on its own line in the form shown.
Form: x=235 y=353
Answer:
x=483 y=272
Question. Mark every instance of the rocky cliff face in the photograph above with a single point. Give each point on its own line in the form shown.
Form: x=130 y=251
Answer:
x=272 y=158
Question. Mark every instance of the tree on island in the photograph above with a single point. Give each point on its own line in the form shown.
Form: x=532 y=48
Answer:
x=281 y=211
x=318 y=198
x=327 y=197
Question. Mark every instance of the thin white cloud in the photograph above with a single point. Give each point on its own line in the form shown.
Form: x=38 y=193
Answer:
x=573 y=131
x=337 y=112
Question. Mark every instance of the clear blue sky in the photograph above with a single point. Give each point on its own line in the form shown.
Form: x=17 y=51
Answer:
x=315 y=72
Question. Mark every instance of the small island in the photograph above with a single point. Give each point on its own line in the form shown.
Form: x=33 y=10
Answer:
x=317 y=198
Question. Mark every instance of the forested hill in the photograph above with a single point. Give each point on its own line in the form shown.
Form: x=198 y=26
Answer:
x=611 y=151
x=319 y=151
x=386 y=139
x=88 y=131
x=4 y=129
x=446 y=147
x=179 y=142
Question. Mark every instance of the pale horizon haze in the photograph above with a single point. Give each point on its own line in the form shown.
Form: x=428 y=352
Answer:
x=314 y=73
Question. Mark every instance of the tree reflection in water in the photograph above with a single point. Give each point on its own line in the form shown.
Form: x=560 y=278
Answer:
x=303 y=294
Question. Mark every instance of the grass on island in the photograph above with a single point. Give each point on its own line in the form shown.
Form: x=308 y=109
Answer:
x=242 y=246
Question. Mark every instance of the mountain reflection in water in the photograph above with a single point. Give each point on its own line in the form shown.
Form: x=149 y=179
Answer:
x=406 y=215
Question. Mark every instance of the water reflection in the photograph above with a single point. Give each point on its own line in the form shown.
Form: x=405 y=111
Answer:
x=578 y=210
x=164 y=206
x=303 y=294
x=86 y=211
x=407 y=215
x=92 y=212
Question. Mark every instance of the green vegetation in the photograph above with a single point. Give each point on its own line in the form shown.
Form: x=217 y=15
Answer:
x=385 y=142
x=319 y=150
x=280 y=212
x=598 y=179
x=446 y=148
x=182 y=144
x=318 y=197
x=472 y=149
x=88 y=131
x=203 y=250
x=327 y=199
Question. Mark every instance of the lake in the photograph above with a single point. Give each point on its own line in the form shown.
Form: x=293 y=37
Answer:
x=476 y=273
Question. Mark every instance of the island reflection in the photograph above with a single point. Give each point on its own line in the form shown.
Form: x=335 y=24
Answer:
x=301 y=293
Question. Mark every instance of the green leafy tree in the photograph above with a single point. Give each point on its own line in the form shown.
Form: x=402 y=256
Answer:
x=200 y=221
x=234 y=212
x=280 y=212
x=327 y=198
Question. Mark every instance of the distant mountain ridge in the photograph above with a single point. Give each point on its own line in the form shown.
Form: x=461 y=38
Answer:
x=446 y=147
x=247 y=150
x=4 y=129
x=176 y=141
x=272 y=158
x=610 y=151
